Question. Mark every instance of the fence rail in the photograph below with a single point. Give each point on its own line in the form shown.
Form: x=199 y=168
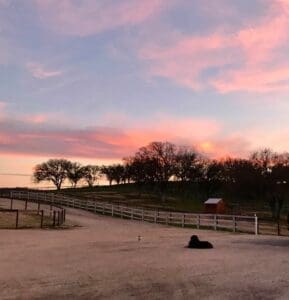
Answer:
x=45 y=213
x=234 y=223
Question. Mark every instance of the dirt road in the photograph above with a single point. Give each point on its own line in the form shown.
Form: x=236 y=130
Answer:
x=104 y=259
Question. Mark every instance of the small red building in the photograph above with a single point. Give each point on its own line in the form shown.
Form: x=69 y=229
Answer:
x=215 y=206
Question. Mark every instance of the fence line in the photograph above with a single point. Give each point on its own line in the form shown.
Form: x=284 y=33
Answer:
x=234 y=223
x=56 y=213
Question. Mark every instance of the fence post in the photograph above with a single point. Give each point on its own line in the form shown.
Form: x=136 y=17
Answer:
x=11 y=194
x=121 y=214
x=17 y=218
x=183 y=220
x=155 y=220
x=198 y=221
x=54 y=218
x=103 y=208
x=142 y=215
x=256 y=224
x=112 y=210
x=131 y=215
x=58 y=218
x=64 y=215
x=11 y=203
x=167 y=219
x=26 y=202
x=42 y=215
x=215 y=222
x=38 y=208
x=234 y=224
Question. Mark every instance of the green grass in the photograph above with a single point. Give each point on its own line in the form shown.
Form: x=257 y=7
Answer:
x=175 y=197
x=134 y=195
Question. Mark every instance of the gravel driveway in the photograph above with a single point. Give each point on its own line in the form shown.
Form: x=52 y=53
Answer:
x=104 y=259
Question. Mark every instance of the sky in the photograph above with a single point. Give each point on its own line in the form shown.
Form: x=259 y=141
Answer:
x=94 y=80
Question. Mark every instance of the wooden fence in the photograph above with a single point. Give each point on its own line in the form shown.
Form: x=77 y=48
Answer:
x=45 y=213
x=234 y=223
x=14 y=216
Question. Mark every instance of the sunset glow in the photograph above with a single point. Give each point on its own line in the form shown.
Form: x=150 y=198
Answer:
x=95 y=80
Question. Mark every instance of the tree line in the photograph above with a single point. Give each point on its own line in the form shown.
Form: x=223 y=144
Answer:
x=264 y=174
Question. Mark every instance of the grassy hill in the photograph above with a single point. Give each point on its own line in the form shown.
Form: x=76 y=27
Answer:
x=142 y=196
x=175 y=197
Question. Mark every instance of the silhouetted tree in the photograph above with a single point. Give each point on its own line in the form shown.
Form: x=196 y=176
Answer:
x=54 y=170
x=160 y=157
x=91 y=174
x=188 y=165
x=113 y=173
x=75 y=173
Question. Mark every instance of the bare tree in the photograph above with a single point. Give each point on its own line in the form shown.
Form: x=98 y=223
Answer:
x=54 y=170
x=113 y=173
x=188 y=165
x=75 y=173
x=91 y=174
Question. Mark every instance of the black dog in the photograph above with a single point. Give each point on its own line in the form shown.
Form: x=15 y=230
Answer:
x=197 y=244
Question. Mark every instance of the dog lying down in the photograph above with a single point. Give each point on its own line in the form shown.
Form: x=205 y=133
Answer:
x=197 y=244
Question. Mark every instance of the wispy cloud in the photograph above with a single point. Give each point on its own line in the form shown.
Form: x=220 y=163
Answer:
x=24 y=136
x=39 y=71
x=89 y=17
x=252 y=58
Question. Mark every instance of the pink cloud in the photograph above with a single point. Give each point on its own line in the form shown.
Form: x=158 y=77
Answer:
x=254 y=80
x=35 y=119
x=27 y=138
x=38 y=71
x=249 y=59
x=189 y=56
x=91 y=17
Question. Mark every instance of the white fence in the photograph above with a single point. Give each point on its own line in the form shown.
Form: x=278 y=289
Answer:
x=248 y=224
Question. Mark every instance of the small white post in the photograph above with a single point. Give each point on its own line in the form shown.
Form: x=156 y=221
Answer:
x=198 y=221
x=112 y=210
x=155 y=216
x=256 y=224
x=183 y=220
x=234 y=224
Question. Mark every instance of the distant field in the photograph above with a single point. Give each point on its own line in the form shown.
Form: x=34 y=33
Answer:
x=187 y=198
x=133 y=195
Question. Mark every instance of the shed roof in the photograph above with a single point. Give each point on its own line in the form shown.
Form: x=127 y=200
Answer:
x=213 y=200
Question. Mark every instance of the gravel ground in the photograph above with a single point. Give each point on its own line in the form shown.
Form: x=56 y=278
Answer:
x=103 y=259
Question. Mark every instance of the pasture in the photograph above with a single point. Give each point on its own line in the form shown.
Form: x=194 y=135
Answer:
x=104 y=259
x=25 y=214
